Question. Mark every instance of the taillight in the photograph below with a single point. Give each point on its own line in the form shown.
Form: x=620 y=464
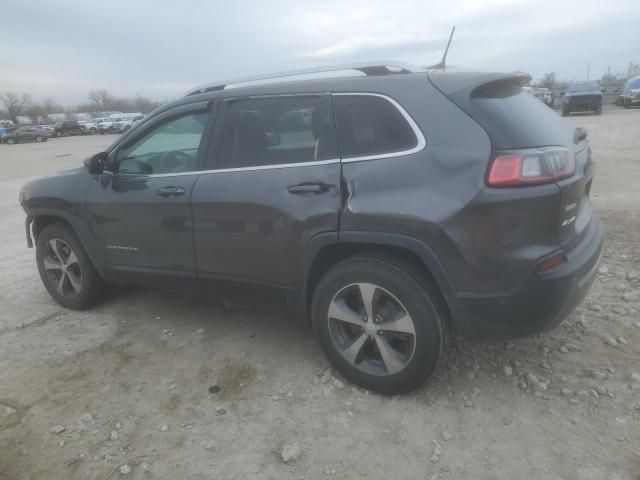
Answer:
x=531 y=166
x=552 y=262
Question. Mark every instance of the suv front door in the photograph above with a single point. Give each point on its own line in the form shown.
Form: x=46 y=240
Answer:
x=139 y=211
x=271 y=185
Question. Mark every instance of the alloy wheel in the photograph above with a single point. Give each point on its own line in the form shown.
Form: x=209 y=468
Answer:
x=371 y=329
x=62 y=268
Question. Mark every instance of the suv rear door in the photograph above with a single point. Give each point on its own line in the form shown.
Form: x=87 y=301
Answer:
x=272 y=184
x=139 y=211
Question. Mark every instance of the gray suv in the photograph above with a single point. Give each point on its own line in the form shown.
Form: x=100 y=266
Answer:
x=391 y=206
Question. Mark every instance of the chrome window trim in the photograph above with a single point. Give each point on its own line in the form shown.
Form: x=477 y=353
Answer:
x=421 y=142
x=231 y=170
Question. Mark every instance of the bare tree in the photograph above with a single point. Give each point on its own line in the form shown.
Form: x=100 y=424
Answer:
x=102 y=99
x=40 y=111
x=14 y=104
x=49 y=106
x=549 y=79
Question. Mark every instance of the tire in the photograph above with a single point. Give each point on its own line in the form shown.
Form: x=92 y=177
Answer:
x=81 y=287
x=39 y=138
x=10 y=141
x=356 y=349
x=627 y=103
x=565 y=111
x=598 y=110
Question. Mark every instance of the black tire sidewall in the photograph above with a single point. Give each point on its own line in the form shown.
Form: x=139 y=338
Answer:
x=428 y=322
x=92 y=286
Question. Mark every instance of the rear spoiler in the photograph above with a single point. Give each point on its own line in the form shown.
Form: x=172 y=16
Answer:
x=450 y=82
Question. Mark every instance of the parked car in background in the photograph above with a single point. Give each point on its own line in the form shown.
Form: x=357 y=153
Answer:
x=582 y=97
x=89 y=127
x=5 y=130
x=392 y=207
x=107 y=125
x=26 y=134
x=631 y=94
x=543 y=94
x=49 y=128
x=68 y=127
x=125 y=124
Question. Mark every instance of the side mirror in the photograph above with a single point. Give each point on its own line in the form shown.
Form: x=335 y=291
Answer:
x=96 y=163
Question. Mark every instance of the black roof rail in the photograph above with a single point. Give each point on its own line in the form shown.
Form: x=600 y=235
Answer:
x=337 y=71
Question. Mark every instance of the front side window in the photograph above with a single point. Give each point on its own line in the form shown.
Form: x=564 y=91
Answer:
x=171 y=147
x=369 y=125
x=276 y=131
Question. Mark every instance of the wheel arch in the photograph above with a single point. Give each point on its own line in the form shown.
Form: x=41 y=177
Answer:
x=40 y=219
x=323 y=253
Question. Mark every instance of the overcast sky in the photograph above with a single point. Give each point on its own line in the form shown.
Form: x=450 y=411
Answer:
x=161 y=48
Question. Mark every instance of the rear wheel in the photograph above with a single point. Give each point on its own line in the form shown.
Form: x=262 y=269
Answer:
x=39 y=138
x=627 y=103
x=565 y=111
x=66 y=270
x=380 y=323
x=10 y=141
x=599 y=109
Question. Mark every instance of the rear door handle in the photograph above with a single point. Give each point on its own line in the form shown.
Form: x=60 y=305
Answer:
x=308 y=188
x=170 y=191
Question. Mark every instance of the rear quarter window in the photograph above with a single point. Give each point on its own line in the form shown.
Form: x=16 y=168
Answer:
x=369 y=126
x=514 y=118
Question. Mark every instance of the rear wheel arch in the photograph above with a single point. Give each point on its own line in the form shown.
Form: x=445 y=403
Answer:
x=411 y=253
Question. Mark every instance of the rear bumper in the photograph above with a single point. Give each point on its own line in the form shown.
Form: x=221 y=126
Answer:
x=542 y=302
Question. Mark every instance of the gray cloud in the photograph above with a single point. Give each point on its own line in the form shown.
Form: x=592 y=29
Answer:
x=162 y=48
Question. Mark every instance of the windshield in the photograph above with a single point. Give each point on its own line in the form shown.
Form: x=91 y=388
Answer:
x=584 y=87
x=633 y=83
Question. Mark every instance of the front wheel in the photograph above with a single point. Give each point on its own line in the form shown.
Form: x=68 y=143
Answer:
x=39 y=138
x=381 y=324
x=599 y=110
x=565 y=111
x=66 y=270
x=10 y=141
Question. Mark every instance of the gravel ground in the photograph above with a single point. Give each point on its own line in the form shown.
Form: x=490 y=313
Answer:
x=154 y=385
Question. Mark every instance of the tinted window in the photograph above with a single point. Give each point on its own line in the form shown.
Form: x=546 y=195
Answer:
x=171 y=147
x=512 y=117
x=275 y=131
x=369 y=125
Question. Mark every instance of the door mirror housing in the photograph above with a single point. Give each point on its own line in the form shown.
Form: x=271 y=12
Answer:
x=97 y=163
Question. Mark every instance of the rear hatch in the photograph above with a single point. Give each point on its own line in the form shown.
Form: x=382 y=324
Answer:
x=518 y=123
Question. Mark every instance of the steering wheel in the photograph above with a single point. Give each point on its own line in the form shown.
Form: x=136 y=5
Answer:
x=175 y=161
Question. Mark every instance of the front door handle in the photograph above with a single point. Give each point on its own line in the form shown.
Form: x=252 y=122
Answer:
x=170 y=191
x=308 y=188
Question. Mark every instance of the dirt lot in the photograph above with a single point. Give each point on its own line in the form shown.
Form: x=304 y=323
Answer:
x=124 y=390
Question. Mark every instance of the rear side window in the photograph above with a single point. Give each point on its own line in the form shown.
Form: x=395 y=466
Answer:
x=514 y=118
x=259 y=132
x=369 y=125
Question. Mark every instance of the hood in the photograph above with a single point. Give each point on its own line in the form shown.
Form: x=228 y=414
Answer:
x=583 y=94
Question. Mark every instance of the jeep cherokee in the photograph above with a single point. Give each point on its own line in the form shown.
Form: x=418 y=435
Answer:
x=391 y=206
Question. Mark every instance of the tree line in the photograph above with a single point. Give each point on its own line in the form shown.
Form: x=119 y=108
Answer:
x=14 y=105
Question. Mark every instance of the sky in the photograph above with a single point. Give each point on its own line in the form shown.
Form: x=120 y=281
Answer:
x=162 y=48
